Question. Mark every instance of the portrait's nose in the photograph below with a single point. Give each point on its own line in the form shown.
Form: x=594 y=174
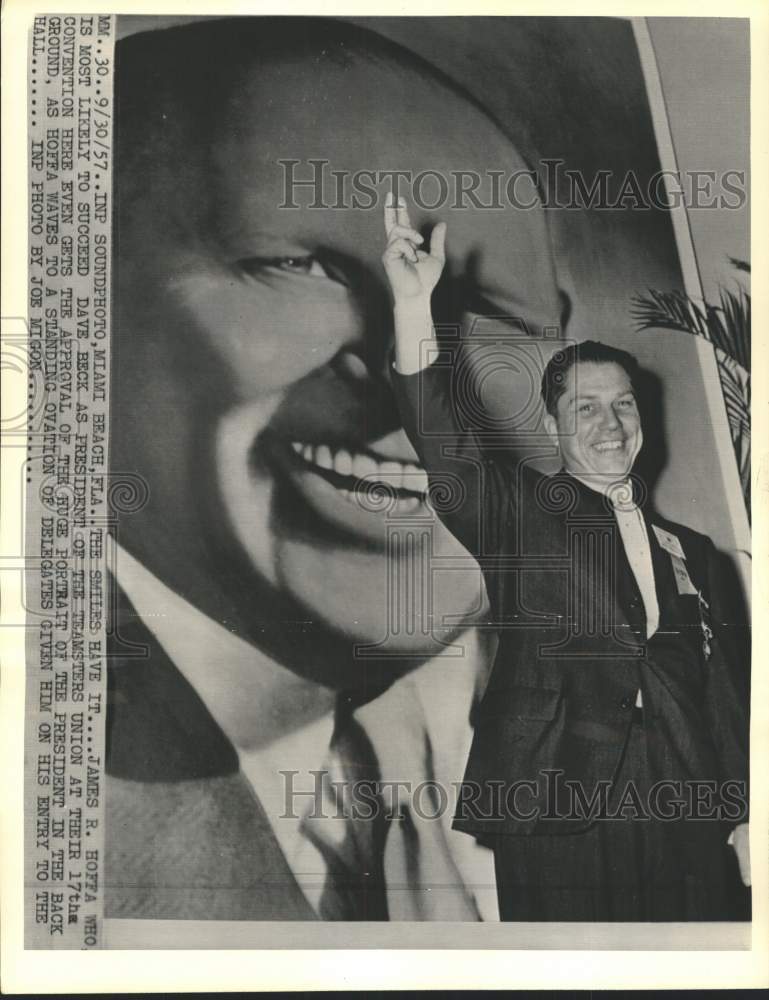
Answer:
x=349 y=363
x=365 y=353
x=361 y=346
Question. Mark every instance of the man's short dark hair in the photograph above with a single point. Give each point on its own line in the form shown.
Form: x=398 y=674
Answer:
x=560 y=364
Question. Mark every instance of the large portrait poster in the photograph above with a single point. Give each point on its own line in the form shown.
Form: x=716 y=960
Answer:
x=382 y=572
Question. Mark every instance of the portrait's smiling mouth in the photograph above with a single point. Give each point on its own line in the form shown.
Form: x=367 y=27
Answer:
x=359 y=474
x=324 y=495
x=351 y=489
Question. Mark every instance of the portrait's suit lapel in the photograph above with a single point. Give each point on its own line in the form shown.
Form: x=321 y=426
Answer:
x=186 y=837
x=159 y=729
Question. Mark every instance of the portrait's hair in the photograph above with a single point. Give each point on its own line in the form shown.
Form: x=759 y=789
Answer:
x=560 y=364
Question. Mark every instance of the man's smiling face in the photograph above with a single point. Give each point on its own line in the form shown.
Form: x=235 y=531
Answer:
x=597 y=425
x=252 y=367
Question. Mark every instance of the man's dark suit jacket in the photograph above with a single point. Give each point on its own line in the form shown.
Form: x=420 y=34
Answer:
x=572 y=651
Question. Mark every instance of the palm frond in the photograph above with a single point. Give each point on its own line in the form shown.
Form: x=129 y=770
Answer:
x=668 y=311
x=735 y=386
x=735 y=309
x=727 y=327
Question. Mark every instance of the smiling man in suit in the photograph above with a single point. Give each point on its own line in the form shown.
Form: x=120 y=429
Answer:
x=609 y=764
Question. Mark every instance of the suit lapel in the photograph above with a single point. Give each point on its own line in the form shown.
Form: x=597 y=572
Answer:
x=187 y=838
x=195 y=850
x=158 y=728
x=606 y=575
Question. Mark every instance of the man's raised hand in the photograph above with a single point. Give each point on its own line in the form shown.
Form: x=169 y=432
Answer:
x=413 y=273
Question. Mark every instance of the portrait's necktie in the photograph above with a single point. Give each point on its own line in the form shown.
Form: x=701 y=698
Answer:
x=422 y=879
x=423 y=882
x=350 y=839
x=391 y=861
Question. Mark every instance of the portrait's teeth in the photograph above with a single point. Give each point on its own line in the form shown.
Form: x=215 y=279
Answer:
x=343 y=462
x=363 y=465
x=398 y=475
x=323 y=457
x=390 y=473
x=415 y=479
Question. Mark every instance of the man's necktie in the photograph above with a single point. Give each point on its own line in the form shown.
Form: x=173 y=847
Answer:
x=635 y=540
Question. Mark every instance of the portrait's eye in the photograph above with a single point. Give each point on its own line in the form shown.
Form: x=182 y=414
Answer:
x=585 y=408
x=307 y=264
x=627 y=403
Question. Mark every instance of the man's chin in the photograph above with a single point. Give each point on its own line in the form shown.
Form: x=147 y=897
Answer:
x=617 y=474
x=609 y=472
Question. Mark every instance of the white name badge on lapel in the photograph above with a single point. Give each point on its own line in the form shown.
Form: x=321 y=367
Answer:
x=669 y=542
x=681 y=573
x=672 y=546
